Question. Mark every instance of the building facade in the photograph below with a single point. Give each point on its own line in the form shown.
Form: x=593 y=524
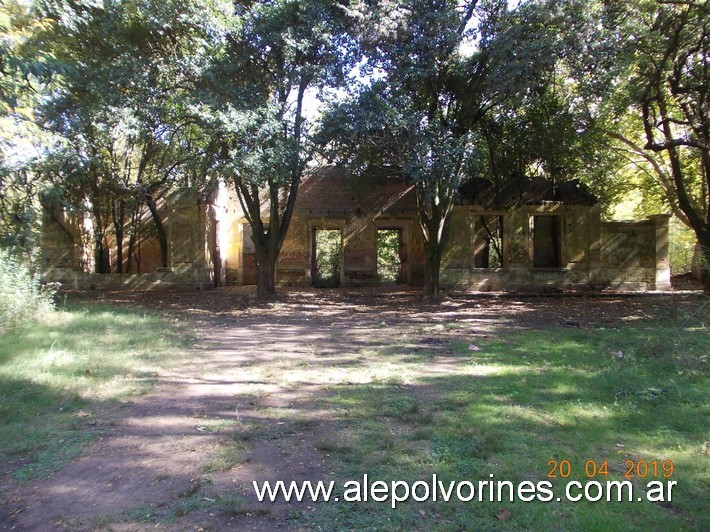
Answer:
x=529 y=236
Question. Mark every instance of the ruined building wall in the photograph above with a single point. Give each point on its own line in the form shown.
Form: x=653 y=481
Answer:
x=190 y=222
x=358 y=210
x=548 y=245
x=64 y=242
x=557 y=246
x=358 y=263
x=634 y=255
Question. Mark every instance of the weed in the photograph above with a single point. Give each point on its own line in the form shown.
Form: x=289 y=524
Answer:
x=215 y=425
x=225 y=456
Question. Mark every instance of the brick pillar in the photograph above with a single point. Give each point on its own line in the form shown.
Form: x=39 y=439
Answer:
x=663 y=268
x=594 y=222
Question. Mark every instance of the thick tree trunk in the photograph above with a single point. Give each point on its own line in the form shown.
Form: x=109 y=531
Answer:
x=432 y=269
x=436 y=232
x=268 y=239
x=119 y=249
x=136 y=216
x=266 y=273
x=101 y=262
x=129 y=251
x=434 y=206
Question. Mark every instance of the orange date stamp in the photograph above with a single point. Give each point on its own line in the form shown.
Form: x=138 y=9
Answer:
x=595 y=468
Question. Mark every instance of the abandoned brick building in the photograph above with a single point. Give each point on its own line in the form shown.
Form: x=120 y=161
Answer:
x=528 y=235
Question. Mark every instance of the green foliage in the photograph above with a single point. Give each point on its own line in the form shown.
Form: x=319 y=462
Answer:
x=388 y=260
x=253 y=105
x=661 y=97
x=183 y=92
x=115 y=111
x=23 y=298
x=416 y=118
x=681 y=247
x=328 y=251
x=21 y=64
x=19 y=220
x=467 y=89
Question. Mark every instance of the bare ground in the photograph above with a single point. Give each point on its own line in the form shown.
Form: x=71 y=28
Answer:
x=163 y=460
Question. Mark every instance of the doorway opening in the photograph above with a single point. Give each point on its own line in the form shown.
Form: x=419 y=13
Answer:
x=547 y=242
x=389 y=255
x=325 y=257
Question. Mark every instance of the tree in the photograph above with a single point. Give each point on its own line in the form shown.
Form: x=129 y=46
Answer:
x=670 y=87
x=118 y=108
x=20 y=74
x=279 y=51
x=548 y=132
x=440 y=69
x=385 y=131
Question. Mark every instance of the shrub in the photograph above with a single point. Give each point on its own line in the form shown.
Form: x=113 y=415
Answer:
x=22 y=296
x=328 y=257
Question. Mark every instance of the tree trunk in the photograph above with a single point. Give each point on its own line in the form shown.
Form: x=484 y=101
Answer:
x=119 y=249
x=101 y=265
x=434 y=206
x=266 y=272
x=436 y=232
x=267 y=242
x=100 y=255
x=160 y=229
x=136 y=216
x=119 y=216
x=432 y=270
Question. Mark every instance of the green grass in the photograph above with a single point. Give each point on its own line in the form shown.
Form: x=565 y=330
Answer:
x=224 y=457
x=635 y=391
x=627 y=393
x=56 y=374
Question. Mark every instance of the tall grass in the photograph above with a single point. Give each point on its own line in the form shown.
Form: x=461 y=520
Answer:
x=22 y=296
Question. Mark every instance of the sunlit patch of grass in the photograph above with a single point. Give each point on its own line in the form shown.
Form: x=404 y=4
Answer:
x=192 y=503
x=215 y=425
x=628 y=393
x=54 y=373
x=225 y=456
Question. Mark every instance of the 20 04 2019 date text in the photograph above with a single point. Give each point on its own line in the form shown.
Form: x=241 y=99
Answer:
x=593 y=468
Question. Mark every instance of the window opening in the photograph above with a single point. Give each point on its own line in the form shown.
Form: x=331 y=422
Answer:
x=546 y=242
x=489 y=242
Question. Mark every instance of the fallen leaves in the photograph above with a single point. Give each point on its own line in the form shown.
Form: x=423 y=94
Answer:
x=504 y=515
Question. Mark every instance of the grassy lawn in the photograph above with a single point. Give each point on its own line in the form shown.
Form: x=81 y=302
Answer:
x=609 y=395
x=56 y=374
x=400 y=400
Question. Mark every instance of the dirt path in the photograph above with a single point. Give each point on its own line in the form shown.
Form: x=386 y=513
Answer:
x=160 y=457
x=168 y=460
